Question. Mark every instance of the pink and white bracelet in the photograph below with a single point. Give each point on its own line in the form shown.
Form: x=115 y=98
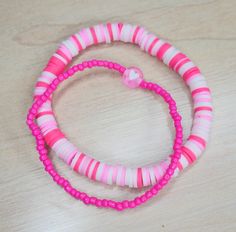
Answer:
x=162 y=50
x=133 y=78
x=47 y=129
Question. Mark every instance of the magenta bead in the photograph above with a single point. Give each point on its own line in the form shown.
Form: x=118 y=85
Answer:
x=86 y=200
x=132 y=204
x=93 y=200
x=137 y=201
x=104 y=203
x=125 y=204
x=98 y=203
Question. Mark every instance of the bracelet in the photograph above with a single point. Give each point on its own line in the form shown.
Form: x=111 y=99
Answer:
x=163 y=51
x=132 y=78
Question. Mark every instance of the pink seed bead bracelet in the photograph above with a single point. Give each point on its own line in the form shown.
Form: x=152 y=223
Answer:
x=97 y=170
x=133 y=78
x=177 y=61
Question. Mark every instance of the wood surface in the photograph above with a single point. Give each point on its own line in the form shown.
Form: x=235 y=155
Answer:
x=114 y=124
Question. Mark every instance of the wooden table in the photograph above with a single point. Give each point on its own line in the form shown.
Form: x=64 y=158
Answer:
x=114 y=124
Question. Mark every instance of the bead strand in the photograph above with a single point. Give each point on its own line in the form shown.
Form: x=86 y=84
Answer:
x=84 y=197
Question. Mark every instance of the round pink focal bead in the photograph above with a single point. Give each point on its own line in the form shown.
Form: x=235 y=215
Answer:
x=132 y=77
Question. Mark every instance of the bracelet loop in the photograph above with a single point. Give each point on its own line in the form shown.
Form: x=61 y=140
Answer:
x=40 y=141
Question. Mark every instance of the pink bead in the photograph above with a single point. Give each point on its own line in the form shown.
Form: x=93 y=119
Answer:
x=148 y=194
x=73 y=192
x=66 y=183
x=56 y=81
x=154 y=191
x=122 y=69
x=170 y=171
x=52 y=173
x=167 y=176
x=94 y=62
x=111 y=204
x=132 y=204
x=110 y=65
x=82 y=196
x=90 y=64
x=132 y=77
x=93 y=200
x=61 y=77
x=86 y=200
x=98 y=203
x=104 y=202
x=125 y=204
x=56 y=178
x=143 y=198
x=43 y=157
x=85 y=64
x=77 y=195
x=80 y=67
x=75 y=68
x=137 y=201
x=66 y=75
x=61 y=181
x=119 y=207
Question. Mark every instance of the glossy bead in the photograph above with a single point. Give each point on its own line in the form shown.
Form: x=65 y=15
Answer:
x=86 y=200
x=66 y=183
x=132 y=204
x=148 y=194
x=85 y=64
x=56 y=81
x=104 y=203
x=80 y=67
x=154 y=191
x=166 y=177
x=119 y=207
x=61 y=77
x=77 y=195
x=61 y=181
x=111 y=203
x=94 y=62
x=66 y=75
x=110 y=65
x=143 y=198
x=82 y=196
x=98 y=203
x=68 y=188
x=75 y=68
x=93 y=200
x=137 y=201
x=52 y=173
x=125 y=204
x=73 y=192
x=132 y=77
x=122 y=69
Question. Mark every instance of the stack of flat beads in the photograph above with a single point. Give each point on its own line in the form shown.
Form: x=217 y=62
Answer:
x=131 y=81
x=177 y=61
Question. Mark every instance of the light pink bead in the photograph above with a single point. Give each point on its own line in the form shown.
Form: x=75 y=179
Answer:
x=132 y=77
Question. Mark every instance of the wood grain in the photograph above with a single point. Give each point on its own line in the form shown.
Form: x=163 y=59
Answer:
x=113 y=123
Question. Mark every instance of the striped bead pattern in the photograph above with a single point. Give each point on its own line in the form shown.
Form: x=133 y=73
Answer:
x=177 y=61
